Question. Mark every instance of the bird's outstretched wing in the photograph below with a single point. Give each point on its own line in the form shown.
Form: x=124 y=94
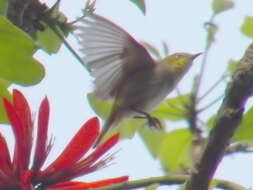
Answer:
x=110 y=53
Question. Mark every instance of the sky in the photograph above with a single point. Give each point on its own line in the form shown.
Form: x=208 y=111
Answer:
x=181 y=25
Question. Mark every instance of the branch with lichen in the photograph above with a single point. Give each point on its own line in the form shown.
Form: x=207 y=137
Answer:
x=229 y=118
x=239 y=148
x=169 y=180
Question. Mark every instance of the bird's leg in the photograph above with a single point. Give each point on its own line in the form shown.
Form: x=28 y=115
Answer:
x=152 y=121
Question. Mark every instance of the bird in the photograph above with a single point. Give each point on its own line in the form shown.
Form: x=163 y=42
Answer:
x=124 y=70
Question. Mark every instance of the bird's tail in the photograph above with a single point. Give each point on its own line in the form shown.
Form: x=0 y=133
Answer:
x=111 y=121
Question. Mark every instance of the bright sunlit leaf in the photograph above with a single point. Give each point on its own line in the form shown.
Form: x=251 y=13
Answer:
x=152 y=139
x=211 y=32
x=211 y=121
x=3 y=7
x=221 y=5
x=173 y=108
x=247 y=26
x=16 y=62
x=48 y=40
x=126 y=128
x=174 y=150
x=3 y=93
x=140 y=4
x=232 y=64
x=101 y=108
x=213 y=184
x=245 y=130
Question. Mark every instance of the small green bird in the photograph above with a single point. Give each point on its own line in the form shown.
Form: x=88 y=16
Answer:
x=123 y=69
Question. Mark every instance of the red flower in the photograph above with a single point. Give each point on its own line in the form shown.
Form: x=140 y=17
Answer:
x=20 y=173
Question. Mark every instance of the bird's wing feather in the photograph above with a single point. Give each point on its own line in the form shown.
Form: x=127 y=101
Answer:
x=110 y=53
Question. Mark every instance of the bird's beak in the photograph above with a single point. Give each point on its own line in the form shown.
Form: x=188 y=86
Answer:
x=196 y=55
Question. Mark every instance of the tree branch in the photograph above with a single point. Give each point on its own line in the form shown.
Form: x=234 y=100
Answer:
x=239 y=147
x=229 y=117
x=168 y=180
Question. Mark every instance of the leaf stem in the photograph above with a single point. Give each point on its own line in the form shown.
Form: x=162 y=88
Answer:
x=168 y=180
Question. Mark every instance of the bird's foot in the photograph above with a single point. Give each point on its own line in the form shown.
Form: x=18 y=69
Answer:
x=153 y=122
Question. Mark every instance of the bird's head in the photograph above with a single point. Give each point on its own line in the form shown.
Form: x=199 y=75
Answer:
x=180 y=62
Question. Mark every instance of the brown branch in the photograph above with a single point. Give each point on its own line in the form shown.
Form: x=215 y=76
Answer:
x=168 y=180
x=239 y=148
x=229 y=117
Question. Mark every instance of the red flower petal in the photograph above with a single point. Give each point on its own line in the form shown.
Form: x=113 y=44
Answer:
x=26 y=177
x=103 y=148
x=42 y=148
x=69 y=185
x=85 y=165
x=82 y=185
x=5 y=160
x=77 y=147
x=22 y=109
x=20 y=146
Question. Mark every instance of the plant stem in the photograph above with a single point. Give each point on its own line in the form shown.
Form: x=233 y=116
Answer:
x=168 y=180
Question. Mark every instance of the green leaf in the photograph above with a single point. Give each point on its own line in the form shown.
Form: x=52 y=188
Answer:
x=213 y=184
x=173 y=108
x=16 y=62
x=221 y=6
x=48 y=40
x=232 y=64
x=174 y=150
x=140 y=4
x=152 y=139
x=101 y=108
x=126 y=128
x=245 y=130
x=211 y=121
x=3 y=7
x=247 y=27
x=211 y=32
x=3 y=93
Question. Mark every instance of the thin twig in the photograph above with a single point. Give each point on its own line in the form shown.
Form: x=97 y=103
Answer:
x=239 y=148
x=58 y=33
x=210 y=104
x=212 y=88
x=204 y=61
x=168 y=180
x=89 y=9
